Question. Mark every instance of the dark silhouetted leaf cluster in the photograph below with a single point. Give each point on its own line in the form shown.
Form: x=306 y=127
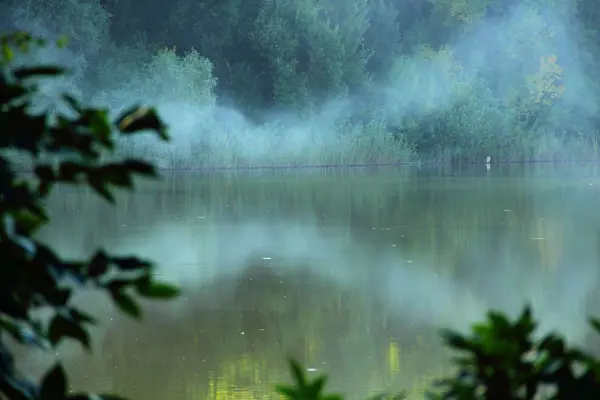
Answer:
x=502 y=360
x=33 y=276
x=305 y=389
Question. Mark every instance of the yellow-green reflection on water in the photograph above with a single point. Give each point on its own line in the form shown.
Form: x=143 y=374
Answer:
x=350 y=271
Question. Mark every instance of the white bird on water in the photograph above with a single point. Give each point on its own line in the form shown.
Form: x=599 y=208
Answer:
x=488 y=159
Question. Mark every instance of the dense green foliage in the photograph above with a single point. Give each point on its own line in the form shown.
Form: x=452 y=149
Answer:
x=378 y=80
x=37 y=285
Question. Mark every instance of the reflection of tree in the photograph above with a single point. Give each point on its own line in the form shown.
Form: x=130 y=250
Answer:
x=233 y=338
x=442 y=213
x=452 y=219
x=457 y=227
x=441 y=216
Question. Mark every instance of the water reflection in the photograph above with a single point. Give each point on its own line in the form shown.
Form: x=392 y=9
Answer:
x=352 y=272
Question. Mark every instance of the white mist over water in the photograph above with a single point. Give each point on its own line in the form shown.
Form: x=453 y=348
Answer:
x=199 y=257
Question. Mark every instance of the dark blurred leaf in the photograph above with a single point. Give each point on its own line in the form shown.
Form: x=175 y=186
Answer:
x=99 y=185
x=499 y=321
x=44 y=172
x=118 y=284
x=32 y=276
x=139 y=167
x=288 y=391
x=138 y=119
x=80 y=317
x=98 y=265
x=23 y=335
x=157 y=290
x=54 y=384
x=116 y=175
x=131 y=263
x=62 y=326
x=298 y=373
x=127 y=304
x=55 y=296
x=10 y=94
x=40 y=71
x=69 y=171
x=28 y=222
x=595 y=324
x=11 y=307
x=303 y=389
x=17 y=388
x=553 y=344
x=457 y=341
x=318 y=385
x=72 y=102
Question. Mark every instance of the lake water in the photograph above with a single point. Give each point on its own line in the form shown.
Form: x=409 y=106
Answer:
x=352 y=271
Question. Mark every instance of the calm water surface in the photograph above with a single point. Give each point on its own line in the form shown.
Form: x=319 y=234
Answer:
x=351 y=271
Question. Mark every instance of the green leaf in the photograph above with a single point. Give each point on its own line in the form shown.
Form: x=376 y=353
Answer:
x=72 y=102
x=457 y=341
x=69 y=171
x=23 y=334
x=318 y=385
x=27 y=222
x=131 y=263
x=98 y=265
x=138 y=119
x=118 y=284
x=139 y=167
x=81 y=317
x=101 y=188
x=7 y=54
x=595 y=324
x=298 y=373
x=499 y=320
x=12 y=307
x=62 y=326
x=156 y=290
x=54 y=384
x=44 y=172
x=14 y=388
x=288 y=391
x=99 y=124
x=62 y=41
x=116 y=175
x=127 y=304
